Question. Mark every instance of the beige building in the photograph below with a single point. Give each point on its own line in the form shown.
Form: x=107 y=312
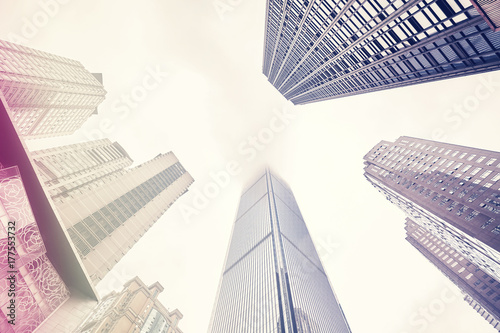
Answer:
x=136 y=309
x=48 y=95
x=105 y=207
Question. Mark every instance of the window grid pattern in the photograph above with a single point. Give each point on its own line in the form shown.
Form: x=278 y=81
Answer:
x=448 y=188
x=88 y=233
x=48 y=95
x=265 y=286
x=323 y=49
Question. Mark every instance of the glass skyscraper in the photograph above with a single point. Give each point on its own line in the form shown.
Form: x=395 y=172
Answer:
x=318 y=50
x=273 y=280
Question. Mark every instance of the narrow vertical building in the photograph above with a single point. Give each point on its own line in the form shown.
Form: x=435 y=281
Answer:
x=48 y=95
x=319 y=50
x=106 y=206
x=481 y=290
x=273 y=279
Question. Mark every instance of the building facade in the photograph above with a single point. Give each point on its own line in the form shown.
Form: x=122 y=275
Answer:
x=53 y=292
x=27 y=275
x=65 y=170
x=136 y=309
x=319 y=50
x=273 y=280
x=483 y=312
x=452 y=191
x=48 y=95
x=107 y=216
x=481 y=289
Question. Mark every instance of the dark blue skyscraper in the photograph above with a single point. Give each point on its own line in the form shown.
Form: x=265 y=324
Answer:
x=273 y=280
x=322 y=49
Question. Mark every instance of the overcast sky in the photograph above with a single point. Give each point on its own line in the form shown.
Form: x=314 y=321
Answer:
x=207 y=101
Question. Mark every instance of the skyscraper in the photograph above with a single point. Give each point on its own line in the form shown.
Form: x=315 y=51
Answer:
x=104 y=205
x=481 y=290
x=273 y=279
x=51 y=291
x=48 y=95
x=450 y=194
x=318 y=50
x=135 y=309
x=450 y=190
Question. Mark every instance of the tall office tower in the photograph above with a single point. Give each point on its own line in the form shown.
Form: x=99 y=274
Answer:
x=48 y=95
x=481 y=289
x=135 y=309
x=106 y=217
x=452 y=191
x=66 y=170
x=318 y=50
x=273 y=279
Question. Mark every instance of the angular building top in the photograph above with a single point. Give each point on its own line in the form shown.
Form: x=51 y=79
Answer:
x=273 y=279
x=48 y=95
x=105 y=206
x=319 y=50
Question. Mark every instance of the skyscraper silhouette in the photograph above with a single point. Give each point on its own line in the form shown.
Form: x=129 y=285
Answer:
x=273 y=279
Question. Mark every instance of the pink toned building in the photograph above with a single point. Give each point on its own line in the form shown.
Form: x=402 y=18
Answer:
x=37 y=289
x=53 y=292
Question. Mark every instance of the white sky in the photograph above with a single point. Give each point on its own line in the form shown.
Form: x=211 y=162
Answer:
x=214 y=98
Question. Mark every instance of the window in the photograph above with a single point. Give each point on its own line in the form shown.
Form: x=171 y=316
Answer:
x=475 y=171
x=486 y=174
x=491 y=161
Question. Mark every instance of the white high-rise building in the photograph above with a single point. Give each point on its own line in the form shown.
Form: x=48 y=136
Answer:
x=48 y=95
x=71 y=169
x=105 y=206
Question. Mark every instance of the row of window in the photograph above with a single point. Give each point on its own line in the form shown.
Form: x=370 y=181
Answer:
x=87 y=233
